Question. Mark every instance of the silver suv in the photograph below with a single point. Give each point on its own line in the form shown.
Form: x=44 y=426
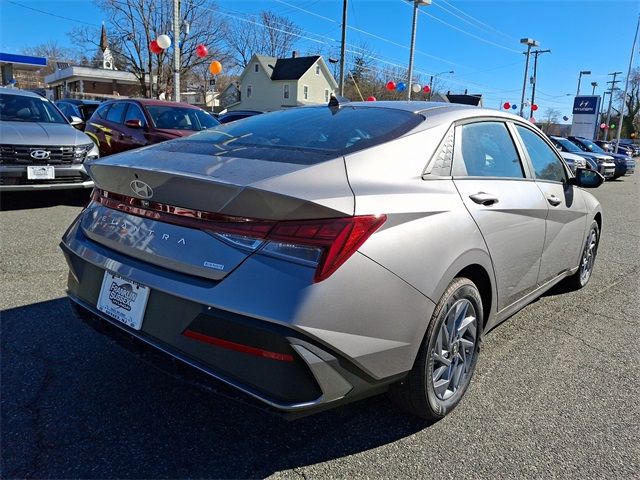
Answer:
x=39 y=149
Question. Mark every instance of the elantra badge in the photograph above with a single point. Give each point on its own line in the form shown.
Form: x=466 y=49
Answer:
x=141 y=189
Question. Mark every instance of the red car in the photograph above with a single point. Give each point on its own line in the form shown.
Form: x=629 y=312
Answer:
x=119 y=125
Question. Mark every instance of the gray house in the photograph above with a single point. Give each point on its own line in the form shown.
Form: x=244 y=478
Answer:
x=269 y=83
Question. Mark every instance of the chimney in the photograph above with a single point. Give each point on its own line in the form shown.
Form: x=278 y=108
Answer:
x=465 y=91
x=294 y=54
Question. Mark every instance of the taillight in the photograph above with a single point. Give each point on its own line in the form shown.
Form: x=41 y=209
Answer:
x=324 y=244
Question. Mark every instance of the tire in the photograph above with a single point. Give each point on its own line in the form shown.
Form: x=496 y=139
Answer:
x=432 y=389
x=587 y=259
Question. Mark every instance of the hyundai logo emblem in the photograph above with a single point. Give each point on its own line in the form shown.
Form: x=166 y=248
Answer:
x=141 y=189
x=40 y=154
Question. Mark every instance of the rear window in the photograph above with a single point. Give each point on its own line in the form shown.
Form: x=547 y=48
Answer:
x=318 y=133
x=176 y=118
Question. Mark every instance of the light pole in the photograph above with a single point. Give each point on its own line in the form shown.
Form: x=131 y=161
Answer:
x=582 y=72
x=436 y=76
x=416 y=4
x=176 y=50
x=626 y=85
x=594 y=85
x=529 y=42
x=343 y=46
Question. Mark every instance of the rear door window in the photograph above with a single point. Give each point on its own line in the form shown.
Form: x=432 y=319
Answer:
x=486 y=149
x=116 y=112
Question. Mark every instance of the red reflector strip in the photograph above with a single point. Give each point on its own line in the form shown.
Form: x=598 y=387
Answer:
x=238 y=347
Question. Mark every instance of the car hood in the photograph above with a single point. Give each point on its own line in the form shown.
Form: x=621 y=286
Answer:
x=572 y=156
x=41 y=134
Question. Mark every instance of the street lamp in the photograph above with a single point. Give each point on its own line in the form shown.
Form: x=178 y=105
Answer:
x=529 y=42
x=594 y=85
x=436 y=76
x=582 y=72
x=416 y=4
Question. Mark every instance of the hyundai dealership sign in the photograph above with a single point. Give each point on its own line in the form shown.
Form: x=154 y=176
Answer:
x=585 y=116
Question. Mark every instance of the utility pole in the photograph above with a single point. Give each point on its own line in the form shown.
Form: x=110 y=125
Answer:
x=416 y=4
x=529 y=42
x=613 y=87
x=176 y=50
x=626 y=84
x=343 y=46
x=535 y=76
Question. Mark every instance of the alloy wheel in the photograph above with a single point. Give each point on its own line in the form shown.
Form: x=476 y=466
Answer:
x=588 y=257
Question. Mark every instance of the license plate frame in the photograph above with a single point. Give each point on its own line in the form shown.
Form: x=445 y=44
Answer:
x=123 y=300
x=41 y=172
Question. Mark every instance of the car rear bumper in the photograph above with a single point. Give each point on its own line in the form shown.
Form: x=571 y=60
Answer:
x=306 y=367
x=14 y=178
x=631 y=167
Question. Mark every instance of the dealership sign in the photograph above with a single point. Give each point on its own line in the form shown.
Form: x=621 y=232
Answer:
x=585 y=116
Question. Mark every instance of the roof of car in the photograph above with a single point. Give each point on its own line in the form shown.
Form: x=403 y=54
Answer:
x=15 y=91
x=160 y=103
x=77 y=101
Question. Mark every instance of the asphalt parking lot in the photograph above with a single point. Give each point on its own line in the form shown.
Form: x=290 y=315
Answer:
x=556 y=392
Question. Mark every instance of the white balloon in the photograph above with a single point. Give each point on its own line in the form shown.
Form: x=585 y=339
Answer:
x=164 y=41
x=416 y=87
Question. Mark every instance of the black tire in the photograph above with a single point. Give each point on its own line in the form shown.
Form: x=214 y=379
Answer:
x=581 y=278
x=417 y=393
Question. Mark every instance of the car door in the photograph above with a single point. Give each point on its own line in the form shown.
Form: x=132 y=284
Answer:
x=113 y=128
x=506 y=204
x=566 y=220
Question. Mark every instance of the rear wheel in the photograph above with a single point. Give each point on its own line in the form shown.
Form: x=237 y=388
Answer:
x=448 y=355
x=588 y=258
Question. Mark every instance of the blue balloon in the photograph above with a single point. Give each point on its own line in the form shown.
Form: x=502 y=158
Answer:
x=565 y=118
x=401 y=87
x=513 y=107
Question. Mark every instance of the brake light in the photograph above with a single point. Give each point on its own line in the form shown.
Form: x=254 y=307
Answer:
x=324 y=244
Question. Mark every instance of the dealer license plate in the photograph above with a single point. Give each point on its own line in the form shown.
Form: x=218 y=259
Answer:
x=122 y=299
x=41 y=172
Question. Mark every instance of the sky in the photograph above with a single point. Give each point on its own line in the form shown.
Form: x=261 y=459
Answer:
x=479 y=40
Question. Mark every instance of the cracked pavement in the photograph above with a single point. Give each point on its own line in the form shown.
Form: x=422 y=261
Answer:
x=555 y=393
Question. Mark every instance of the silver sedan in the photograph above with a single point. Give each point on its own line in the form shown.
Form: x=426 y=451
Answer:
x=314 y=256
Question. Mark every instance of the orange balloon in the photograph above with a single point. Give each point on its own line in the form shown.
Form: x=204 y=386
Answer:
x=215 y=68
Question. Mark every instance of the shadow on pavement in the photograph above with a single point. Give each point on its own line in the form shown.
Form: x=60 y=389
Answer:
x=43 y=199
x=76 y=405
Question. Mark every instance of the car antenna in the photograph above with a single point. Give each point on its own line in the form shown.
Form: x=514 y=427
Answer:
x=337 y=101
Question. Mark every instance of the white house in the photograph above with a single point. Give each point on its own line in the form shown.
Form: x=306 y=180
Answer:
x=269 y=83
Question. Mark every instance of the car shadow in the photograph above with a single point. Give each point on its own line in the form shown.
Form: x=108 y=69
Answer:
x=75 y=404
x=43 y=199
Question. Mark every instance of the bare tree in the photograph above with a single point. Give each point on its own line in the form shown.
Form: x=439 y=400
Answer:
x=551 y=116
x=53 y=52
x=631 y=121
x=265 y=34
x=133 y=24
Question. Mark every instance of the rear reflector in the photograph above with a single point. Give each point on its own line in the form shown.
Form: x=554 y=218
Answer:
x=324 y=243
x=238 y=347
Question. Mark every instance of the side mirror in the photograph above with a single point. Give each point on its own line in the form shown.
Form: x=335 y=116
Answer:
x=135 y=123
x=76 y=122
x=587 y=178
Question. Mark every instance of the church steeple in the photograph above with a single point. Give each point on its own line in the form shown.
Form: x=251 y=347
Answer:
x=107 y=56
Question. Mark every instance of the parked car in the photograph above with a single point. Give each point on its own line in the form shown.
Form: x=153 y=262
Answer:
x=120 y=125
x=82 y=109
x=234 y=115
x=624 y=165
x=39 y=149
x=574 y=161
x=623 y=150
x=604 y=145
x=626 y=142
x=316 y=255
x=601 y=162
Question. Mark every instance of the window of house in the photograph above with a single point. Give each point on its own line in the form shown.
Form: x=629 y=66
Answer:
x=285 y=90
x=318 y=69
x=305 y=92
x=249 y=91
x=326 y=94
x=256 y=68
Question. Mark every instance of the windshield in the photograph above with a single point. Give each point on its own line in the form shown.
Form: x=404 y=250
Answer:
x=310 y=134
x=176 y=118
x=591 y=146
x=20 y=108
x=567 y=145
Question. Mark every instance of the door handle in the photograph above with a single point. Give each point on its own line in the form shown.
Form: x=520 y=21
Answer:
x=483 y=198
x=553 y=200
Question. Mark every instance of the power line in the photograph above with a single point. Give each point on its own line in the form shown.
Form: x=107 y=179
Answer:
x=513 y=39
x=52 y=14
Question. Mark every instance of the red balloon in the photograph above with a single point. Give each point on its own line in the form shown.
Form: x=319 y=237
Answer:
x=391 y=85
x=154 y=47
x=426 y=89
x=201 y=51
x=603 y=125
x=506 y=105
x=534 y=107
x=371 y=99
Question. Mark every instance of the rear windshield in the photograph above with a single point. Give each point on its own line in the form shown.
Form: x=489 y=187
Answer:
x=20 y=108
x=176 y=118
x=309 y=135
